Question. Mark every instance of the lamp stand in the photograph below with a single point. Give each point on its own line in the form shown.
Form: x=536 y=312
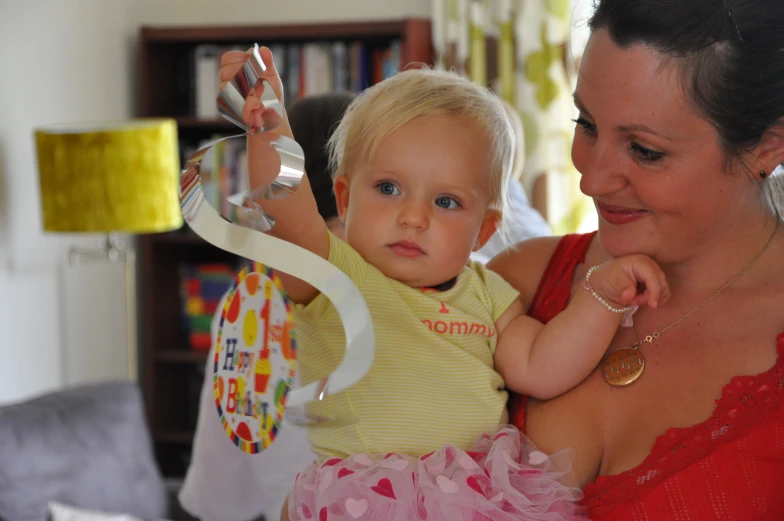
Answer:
x=114 y=248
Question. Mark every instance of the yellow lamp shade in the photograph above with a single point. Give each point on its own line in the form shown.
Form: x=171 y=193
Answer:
x=110 y=177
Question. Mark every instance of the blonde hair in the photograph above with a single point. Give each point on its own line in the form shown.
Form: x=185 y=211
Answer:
x=418 y=93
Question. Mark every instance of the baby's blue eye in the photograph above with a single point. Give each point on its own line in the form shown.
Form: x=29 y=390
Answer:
x=387 y=188
x=447 y=203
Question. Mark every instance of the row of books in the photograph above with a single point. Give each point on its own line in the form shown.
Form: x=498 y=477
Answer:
x=305 y=69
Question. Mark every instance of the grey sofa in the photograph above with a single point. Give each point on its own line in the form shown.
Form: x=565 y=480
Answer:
x=87 y=447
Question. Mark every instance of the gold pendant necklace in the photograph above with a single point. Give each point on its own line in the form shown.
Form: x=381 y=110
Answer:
x=626 y=365
x=623 y=366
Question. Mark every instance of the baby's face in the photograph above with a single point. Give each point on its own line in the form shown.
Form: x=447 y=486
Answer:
x=419 y=208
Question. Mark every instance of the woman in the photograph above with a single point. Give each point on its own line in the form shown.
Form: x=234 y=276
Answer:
x=680 y=128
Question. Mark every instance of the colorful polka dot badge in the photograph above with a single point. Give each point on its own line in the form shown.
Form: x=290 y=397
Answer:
x=255 y=359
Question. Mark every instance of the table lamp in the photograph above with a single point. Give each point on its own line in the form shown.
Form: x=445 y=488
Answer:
x=110 y=178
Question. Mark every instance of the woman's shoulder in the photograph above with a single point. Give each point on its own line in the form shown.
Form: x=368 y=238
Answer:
x=524 y=264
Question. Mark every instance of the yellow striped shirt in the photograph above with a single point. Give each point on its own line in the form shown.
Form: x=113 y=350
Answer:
x=432 y=381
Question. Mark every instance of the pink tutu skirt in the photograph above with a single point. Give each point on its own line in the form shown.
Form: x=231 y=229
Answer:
x=503 y=479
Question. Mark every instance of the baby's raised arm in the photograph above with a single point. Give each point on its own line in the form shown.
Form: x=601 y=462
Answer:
x=545 y=361
x=296 y=217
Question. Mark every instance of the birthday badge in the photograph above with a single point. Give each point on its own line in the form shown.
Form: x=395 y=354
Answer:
x=255 y=357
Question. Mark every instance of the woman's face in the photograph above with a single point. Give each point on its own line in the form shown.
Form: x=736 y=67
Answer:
x=653 y=167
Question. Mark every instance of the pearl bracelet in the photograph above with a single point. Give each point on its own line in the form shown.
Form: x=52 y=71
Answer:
x=610 y=307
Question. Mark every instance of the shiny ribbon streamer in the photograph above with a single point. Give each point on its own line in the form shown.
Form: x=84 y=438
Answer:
x=230 y=100
x=276 y=253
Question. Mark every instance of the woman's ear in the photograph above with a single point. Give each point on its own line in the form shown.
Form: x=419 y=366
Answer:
x=342 y=188
x=770 y=151
x=489 y=227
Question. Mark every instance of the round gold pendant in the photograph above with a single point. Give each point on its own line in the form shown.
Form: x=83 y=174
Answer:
x=623 y=367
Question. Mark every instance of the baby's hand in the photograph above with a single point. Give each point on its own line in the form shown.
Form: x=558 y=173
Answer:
x=633 y=280
x=254 y=114
x=263 y=159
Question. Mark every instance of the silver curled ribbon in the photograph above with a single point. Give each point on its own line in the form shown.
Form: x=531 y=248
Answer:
x=276 y=253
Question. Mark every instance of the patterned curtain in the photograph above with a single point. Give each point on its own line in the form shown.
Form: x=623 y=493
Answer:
x=526 y=51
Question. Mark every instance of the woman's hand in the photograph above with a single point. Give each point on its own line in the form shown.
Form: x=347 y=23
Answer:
x=254 y=114
x=632 y=280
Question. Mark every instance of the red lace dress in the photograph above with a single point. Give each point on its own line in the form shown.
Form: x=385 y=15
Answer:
x=730 y=467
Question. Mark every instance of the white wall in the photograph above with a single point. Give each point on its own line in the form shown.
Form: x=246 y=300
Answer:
x=74 y=60
x=62 y=61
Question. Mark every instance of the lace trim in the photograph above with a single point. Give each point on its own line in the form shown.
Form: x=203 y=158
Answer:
x=745 y=402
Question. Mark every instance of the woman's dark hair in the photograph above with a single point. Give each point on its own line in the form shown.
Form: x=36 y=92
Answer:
x=312 y=120
x=731 y=54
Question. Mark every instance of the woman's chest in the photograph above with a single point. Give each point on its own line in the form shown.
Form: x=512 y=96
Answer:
x=614 y=429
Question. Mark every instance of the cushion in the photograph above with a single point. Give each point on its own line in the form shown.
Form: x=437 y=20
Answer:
x=88 y=447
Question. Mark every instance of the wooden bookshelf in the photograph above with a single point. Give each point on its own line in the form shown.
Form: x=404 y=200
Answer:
x=171 y=372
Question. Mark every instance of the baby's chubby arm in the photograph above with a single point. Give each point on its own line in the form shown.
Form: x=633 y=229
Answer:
x=545 y=361
x=296 y=217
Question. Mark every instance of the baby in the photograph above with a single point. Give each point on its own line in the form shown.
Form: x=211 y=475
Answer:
x=421 y=163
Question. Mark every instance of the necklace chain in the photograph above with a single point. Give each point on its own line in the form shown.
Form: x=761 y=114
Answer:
x=656 y=334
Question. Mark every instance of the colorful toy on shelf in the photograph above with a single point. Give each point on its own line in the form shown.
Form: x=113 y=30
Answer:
x=202 y=287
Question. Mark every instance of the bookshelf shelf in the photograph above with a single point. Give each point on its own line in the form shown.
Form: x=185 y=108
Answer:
x=411 y=28
x=218 y=125
x=172 y=373
x=181 y=356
